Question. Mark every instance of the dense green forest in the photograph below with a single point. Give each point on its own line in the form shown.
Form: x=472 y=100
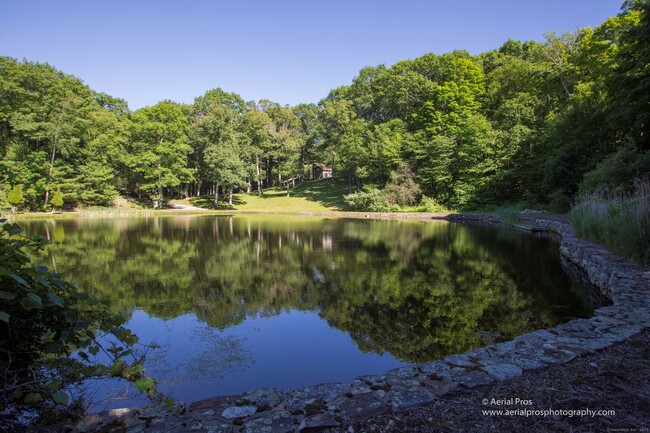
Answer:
x=531 y=122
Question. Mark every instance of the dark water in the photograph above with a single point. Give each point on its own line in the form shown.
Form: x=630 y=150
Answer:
x=240 y=302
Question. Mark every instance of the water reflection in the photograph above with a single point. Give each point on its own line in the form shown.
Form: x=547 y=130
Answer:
x=415 y=290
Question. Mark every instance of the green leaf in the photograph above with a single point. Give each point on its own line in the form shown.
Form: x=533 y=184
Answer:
x=32 y=397
x=144 y=384
x=19 y=280
x=7 y=295
x=56 y=299
x=4 y=316
x=60 y=397
x=14 y=231
x=94 y=350
x=117 y=368
x=34 y=301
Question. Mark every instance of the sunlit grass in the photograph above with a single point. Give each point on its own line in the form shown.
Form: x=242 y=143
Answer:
x=325 y=195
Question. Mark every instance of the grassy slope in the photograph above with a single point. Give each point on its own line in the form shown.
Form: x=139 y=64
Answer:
x=323 y=195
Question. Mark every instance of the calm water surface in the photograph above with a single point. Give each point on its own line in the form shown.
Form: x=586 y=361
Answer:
x=240 y=302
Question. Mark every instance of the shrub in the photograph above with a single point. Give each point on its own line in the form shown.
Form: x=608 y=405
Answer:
x=402 y=189
x=371 y=200
x=619 y=219
x=49 y=336
x=15 y=197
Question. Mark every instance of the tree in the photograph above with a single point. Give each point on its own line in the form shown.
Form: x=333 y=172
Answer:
x=57 y=200
x=158 y=150
x=15 y=197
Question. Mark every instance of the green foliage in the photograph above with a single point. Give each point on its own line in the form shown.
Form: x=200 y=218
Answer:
x=57 y=199
x=402 y=190
x=529 y=122
x=370 y=200
x=15 y=197
x=619 y=219
x=628 y=162
x=49 y=334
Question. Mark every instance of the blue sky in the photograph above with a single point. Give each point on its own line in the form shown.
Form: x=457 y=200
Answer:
x=286 y=51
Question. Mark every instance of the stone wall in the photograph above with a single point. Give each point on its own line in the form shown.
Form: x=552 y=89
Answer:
x=327 y=405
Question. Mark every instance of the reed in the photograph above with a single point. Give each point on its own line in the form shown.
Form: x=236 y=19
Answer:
x=619 y=219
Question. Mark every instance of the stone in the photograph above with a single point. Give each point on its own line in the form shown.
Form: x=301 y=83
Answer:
x=327 y=391
x=469 y=379
x=526 y=362
x=459 y=361
x=503 y=371
x=553 y=355
x=403 y=372
x=212 y=426
x=318 y=422
x=475 y=378
x=277 y=421
x=238 y=412
x=261 y=397
x=359 y=387
x=440 y=387
x=405 y=398
x=360 y=408
x=434 y=368
x=216 y=403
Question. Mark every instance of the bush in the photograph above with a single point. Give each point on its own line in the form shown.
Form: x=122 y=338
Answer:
x=402 y=189
x=618 y=219
x=371 y=200
x=49 y=336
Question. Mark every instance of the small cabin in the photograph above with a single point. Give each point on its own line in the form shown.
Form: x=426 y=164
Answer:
x=321 y=171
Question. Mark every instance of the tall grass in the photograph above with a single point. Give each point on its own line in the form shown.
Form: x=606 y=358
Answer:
x=619 y=219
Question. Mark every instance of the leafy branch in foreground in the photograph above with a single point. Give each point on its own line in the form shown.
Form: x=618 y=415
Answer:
x=53 y=336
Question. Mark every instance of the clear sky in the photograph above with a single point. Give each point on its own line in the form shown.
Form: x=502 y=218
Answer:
x=288 y=51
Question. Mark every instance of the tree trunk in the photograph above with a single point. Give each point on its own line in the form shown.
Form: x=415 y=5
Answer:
x=230 y=197
x=49 y=173
x=160 y=190
x=216 y=196
x=199 y=184
x=349 y=183
x=259 y=178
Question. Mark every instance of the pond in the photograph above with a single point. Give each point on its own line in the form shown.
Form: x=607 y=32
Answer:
x=241 y=302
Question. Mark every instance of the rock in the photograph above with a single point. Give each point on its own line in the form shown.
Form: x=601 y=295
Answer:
x=503 y=371
x=440 y=387
x=553 y=355
x=277 y=421
x=212 y=426
x=269 y=397
x=238 y=412
x=317 y=422
x=359 y=408
x=459 y=361
x=326 y=391
x=433 y=369
x=405 y=398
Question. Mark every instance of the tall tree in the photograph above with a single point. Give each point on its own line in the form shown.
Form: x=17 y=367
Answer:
x=158 y=150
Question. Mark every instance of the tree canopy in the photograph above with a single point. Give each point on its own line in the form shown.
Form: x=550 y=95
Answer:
x=529 y=122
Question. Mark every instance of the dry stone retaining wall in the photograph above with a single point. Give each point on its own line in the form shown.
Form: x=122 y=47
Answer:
x=327 y=405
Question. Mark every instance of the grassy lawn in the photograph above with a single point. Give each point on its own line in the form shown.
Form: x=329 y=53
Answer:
x=322 y=195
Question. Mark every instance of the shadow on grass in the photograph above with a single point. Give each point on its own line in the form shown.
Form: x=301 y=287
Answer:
x=207 y=202
x=327 y=192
